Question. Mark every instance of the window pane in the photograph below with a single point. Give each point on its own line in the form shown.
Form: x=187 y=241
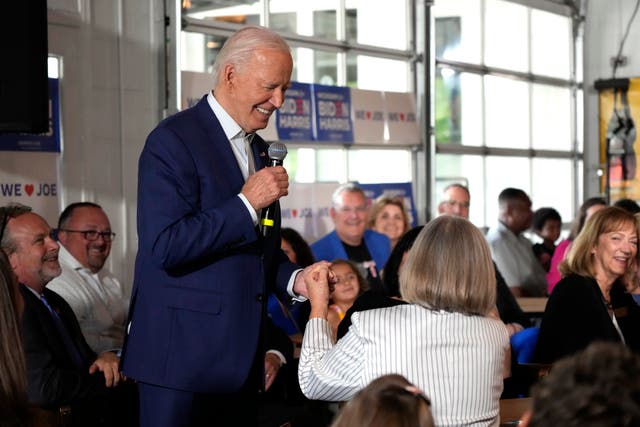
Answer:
x=331 y=165
x=552 y=186
x=248 y=13
x=551 y=118
x=503 y=172
x=550 y=44
x=375 y=166
x=458 y=30
x=365 y=18
x=458 y=107
x=389 y=75
x=301 y=164
x=306 y=18
x=506 y=35
x=463 y=169
x=507 y=112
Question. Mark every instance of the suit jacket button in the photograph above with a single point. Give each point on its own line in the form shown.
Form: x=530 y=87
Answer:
x=259 y=297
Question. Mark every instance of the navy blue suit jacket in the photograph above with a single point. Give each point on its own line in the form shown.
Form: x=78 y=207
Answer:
x=53 y=380
x=202 y=269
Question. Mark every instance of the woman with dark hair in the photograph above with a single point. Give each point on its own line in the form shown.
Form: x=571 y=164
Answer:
x=587 y=209
x=296 y=248
x=13 y=376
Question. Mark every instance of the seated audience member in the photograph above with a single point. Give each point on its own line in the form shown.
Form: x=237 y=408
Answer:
x=587 y=209
x=369 y=299
x=511 y=250
x=61 y=367
x=389 y=217
x=351 y=239
x=348 y=286
x=547 y=224
x=296 y=248
x=456 y=201
x=13 y=374
x=389 y=401
x=598 y=387
x=628 y=205
x=591 y=302
x=443 y=341
x=96 y=296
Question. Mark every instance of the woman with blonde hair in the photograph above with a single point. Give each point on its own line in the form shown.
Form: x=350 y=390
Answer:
x=592 y=301
x=443 y=341
x=389 y=217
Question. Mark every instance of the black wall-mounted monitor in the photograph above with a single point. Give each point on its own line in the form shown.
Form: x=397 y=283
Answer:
x=24 y=97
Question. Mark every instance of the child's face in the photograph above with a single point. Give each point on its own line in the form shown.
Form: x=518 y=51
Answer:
x=550 y=230
x=346 y=289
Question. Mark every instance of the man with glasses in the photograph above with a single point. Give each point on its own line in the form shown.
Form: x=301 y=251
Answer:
x=97 y=297
x=351 y=239
x=455 y=201
x=61 y=367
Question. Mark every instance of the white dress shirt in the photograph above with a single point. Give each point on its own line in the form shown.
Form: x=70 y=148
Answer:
x=98 y=301
x=456 y=359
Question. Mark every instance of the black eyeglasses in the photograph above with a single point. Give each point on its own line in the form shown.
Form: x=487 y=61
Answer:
x=92 y=235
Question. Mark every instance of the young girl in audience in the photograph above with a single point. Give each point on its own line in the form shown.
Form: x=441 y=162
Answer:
x=389 y=401
x=547 y=224
x=350 y=283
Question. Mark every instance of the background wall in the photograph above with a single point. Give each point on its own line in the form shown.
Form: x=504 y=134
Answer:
x=606 y=22
x=112 y=95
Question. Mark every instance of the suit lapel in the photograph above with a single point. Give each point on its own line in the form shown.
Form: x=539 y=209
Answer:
x=219 y=145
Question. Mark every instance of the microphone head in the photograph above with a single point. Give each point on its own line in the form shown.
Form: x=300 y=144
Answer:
x=277 y=151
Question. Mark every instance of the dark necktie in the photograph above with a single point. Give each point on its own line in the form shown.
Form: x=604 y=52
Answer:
x=74 y=354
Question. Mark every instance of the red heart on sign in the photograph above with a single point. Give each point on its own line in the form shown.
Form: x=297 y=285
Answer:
x=29 y=189
x=368 y=114
x=294 y=212
x=402 y=117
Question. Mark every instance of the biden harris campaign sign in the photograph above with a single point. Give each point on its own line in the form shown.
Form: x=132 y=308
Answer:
x=295 y=116
x=332 y=114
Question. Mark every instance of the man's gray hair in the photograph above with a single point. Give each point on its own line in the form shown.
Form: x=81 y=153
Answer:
x=349 y=187
x=7 y=212
x=241 y=46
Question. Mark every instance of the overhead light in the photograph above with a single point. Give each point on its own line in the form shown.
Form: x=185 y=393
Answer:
x=186 y=4
x=213 y=44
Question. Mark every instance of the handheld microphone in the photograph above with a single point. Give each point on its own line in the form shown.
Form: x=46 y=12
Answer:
x=277 y=153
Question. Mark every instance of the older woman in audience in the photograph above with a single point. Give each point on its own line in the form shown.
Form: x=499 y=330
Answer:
x=587 y=209
x=592 y=302
x=13 y=376
x=389 y=217
x=389 y=401
x=443 y=341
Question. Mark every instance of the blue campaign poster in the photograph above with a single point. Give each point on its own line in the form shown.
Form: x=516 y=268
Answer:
x=402 y=190
x=294 y=119
x=332 y=114
x=48 y=142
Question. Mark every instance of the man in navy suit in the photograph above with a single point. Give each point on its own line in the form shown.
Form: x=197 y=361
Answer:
x=203 y=270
